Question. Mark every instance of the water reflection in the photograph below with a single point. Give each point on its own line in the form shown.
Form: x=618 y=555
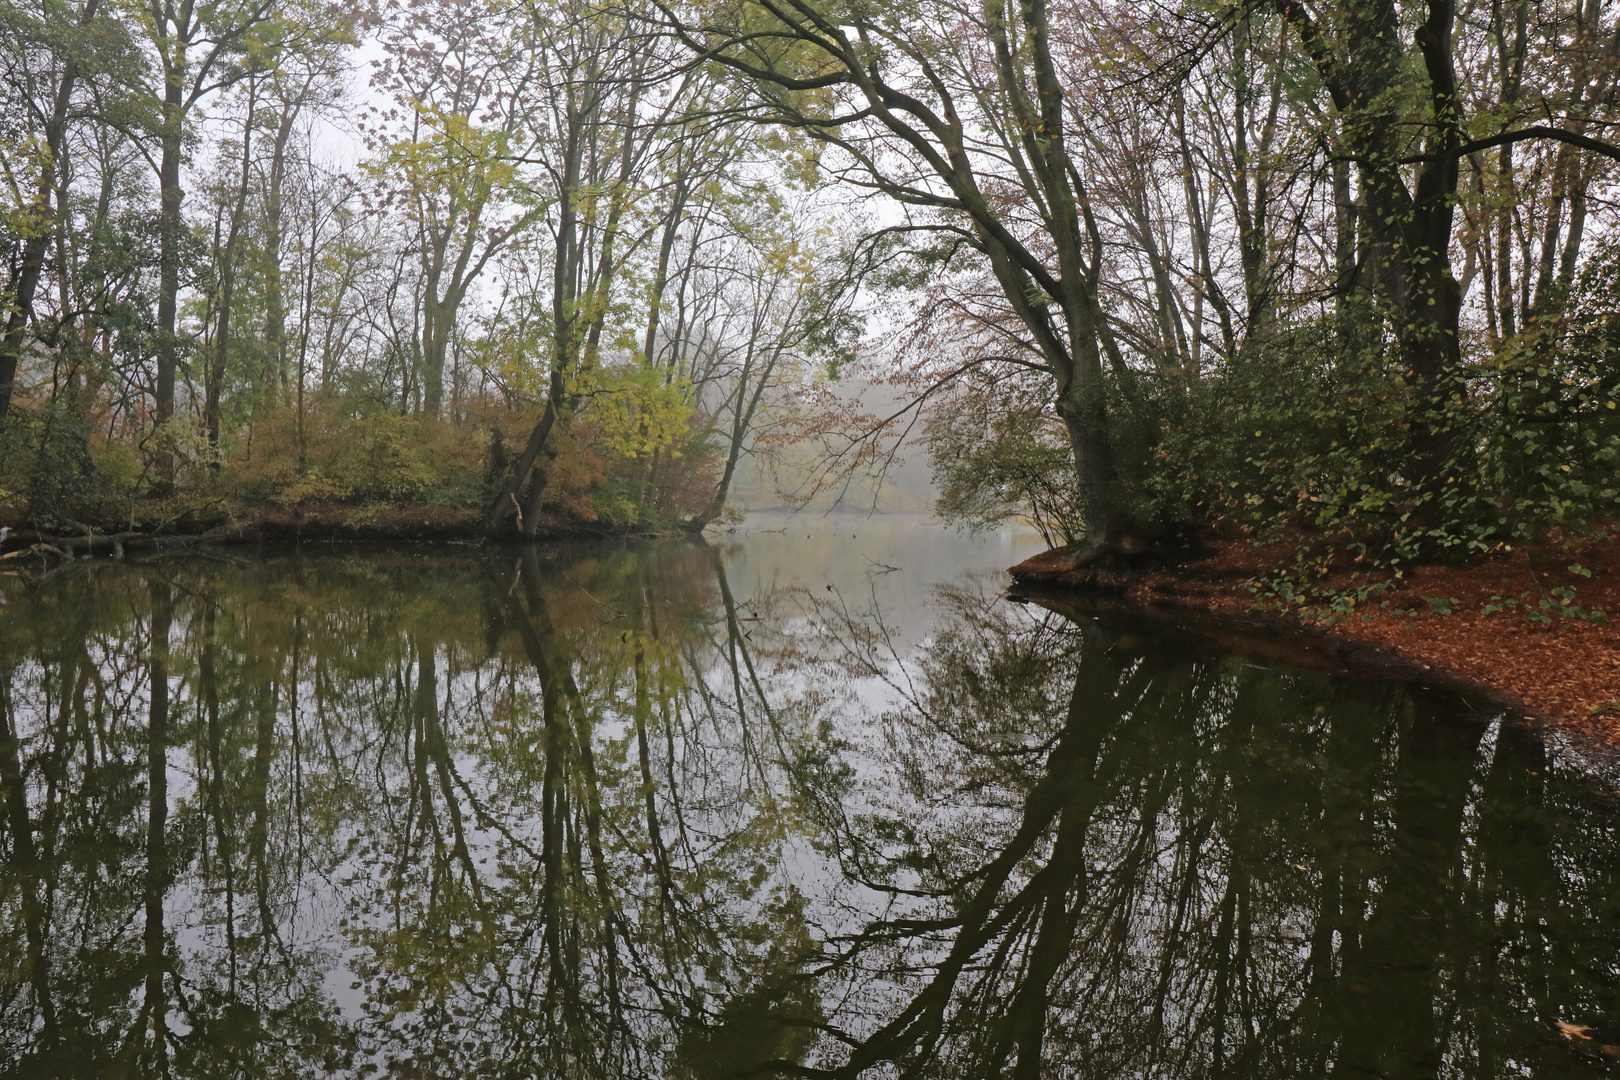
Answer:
x=592 y=813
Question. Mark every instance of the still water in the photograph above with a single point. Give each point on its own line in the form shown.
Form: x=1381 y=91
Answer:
x=810 y=802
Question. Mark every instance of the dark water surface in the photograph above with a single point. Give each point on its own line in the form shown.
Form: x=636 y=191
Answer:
x=764 y=807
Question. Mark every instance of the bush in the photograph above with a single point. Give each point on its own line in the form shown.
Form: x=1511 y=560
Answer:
x=49 y=470
x=1296 y=437
x=999 y=452
x=371 y=457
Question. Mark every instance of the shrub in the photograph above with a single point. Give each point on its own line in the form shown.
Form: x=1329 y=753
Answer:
x=999 y=453
x=376 y=456
x=1298 y=436
x=48 y=467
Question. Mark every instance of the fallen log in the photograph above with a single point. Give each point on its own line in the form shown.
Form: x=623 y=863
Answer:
x=49 y=545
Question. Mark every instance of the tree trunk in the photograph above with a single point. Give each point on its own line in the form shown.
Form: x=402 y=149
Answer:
x=438 y=321
x=169 y=237
x=275 y=306
x=1083 y=408
x=505 y=504
x=1408 y=232
x=1510 y=71
x=1346 y=275
x=742 y=418
x=227 y=288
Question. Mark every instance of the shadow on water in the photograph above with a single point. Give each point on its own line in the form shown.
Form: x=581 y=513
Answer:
x=592 y=813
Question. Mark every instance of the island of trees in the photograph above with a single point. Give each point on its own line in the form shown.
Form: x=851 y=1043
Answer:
x=1343 y=272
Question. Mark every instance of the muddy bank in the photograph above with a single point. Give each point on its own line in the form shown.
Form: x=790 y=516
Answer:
x=1534 y=632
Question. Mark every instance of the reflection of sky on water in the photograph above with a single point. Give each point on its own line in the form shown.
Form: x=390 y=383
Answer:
x=1238 y=863
x=772 y=553
x=882 y=571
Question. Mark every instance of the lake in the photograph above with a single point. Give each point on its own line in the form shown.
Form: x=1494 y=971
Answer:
x=813 y=799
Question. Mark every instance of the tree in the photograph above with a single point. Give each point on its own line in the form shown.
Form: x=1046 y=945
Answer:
x=962 y=119
x=306 y=79
x=47 y=55
x=606 y=110
x=461 y=79
x=787 y=298
x=225 y=264
x=221 y=36
x=1407 y=227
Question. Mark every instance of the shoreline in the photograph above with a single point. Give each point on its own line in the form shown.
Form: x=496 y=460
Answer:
x=42 y=549
x=1432 y=627
x=1561 y=676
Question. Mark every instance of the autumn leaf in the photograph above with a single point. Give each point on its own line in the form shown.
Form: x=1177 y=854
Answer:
x=1572 y=1031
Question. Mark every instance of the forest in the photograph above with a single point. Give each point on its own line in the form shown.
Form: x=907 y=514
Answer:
x=1344 y=272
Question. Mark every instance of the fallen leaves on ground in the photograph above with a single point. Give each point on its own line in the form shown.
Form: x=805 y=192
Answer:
x=1565 y=670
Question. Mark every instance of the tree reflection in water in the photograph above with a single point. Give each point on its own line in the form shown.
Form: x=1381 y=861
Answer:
x=586 y=813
